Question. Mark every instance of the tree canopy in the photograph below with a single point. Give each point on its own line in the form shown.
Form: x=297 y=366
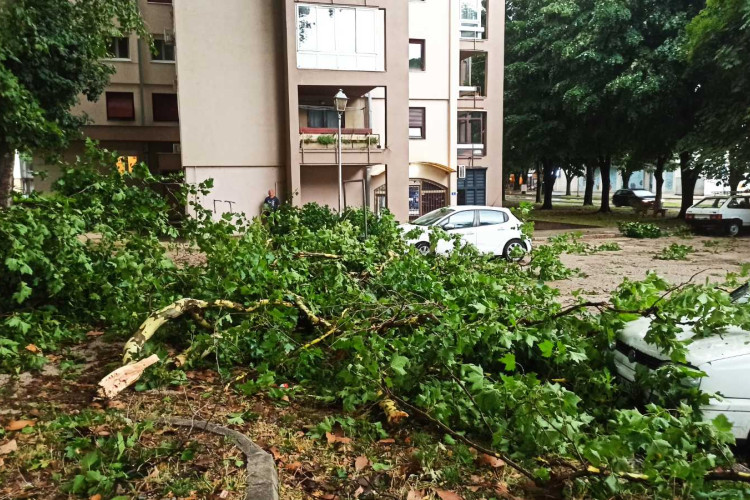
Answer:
x=51 y=53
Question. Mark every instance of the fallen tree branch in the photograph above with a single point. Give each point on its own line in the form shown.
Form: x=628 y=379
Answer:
x=318 y=255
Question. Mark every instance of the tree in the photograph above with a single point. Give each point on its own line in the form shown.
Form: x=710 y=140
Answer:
x=51 y=53
x=588 y=195
x=572 y=169
x=718 y=42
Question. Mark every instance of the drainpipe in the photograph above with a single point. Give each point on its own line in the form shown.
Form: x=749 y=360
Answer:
x=140 y=74
x=369 y=110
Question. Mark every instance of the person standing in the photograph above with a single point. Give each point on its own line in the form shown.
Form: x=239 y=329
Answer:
x=271 y=203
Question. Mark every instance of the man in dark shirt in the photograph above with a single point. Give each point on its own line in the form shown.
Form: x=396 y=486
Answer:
x=271 y=202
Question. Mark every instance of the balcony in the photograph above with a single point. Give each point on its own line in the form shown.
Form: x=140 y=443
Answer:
x=472 y=137
x=472 y=80
x=362 y=126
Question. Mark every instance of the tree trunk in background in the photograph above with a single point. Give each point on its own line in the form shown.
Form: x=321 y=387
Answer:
x=538 y=183
x=626 y=174
x=605 y=167
x=6 y=177
x=549 y=182
x=736 y=175
x=588 y=195
x=659 y=176
x=568 y=182
x=689 y=179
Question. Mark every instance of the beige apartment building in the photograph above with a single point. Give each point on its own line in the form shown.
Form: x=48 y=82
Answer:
x=241 y=92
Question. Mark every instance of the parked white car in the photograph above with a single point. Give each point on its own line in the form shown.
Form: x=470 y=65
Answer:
x=724 y=358
x=492 y=230
x=728 y=213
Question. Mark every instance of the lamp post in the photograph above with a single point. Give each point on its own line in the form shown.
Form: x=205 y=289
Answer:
x=340 y=100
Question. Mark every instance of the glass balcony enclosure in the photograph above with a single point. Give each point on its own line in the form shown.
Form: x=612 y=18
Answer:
x=473 y=19
x=471 y=133
x=340 y=38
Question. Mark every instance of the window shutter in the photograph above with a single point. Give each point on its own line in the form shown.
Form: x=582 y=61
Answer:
x=120 y=106
x=416 y=117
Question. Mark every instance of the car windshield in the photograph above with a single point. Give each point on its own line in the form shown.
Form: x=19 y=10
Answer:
x=742 y=294
x=642 y=193
x=711 y=203
x=432 y=217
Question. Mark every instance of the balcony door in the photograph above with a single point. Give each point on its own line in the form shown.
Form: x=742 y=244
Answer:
x=472 y=189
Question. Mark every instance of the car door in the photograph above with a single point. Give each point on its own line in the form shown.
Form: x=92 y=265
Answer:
x=461 y=223
x=738 y=208
x=492 y=231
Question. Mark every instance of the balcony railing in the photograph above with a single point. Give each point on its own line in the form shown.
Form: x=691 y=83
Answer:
x=352 y=139
x=465 y=150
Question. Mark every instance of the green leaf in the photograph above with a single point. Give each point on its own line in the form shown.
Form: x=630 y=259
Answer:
x=398 y=363
x=722 y=424
x=546 y=347
x=509 y=360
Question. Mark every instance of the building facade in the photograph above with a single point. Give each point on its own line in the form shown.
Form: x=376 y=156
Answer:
x=242 y=92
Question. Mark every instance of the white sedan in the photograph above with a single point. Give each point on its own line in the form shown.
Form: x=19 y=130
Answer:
x=724 y=358
x=491 y=230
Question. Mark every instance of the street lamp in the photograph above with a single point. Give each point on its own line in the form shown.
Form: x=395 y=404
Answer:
x=340 y=101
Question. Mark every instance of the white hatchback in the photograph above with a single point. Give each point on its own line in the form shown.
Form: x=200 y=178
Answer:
x=730 y=213
x=724 y=358
x=492 y=230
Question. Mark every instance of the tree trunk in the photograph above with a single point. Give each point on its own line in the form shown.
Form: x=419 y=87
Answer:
x=568 y=182
x=6 y=176
x=588 y=195
x=689 y=179
x=736 y=175
x=659 y=176
x=605 y=167
x=538 y=183
x=549 y=182
x=626 y=174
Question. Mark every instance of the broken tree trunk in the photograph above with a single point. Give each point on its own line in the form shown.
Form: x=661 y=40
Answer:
x=113 y=384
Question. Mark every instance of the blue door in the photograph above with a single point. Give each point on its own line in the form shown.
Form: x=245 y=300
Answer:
x=472 y=190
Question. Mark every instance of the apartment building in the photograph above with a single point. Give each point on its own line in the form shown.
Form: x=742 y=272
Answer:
x=423 y=125
x=255 y=108
x=137 y=115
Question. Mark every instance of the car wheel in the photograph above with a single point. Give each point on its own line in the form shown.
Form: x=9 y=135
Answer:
x=510 y=249
x=734 y=227
x=423 y=247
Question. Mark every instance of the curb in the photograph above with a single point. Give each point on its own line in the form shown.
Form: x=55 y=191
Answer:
x=262 y=478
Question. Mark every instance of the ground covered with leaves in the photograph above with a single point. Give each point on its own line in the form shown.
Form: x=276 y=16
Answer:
x=451 y=377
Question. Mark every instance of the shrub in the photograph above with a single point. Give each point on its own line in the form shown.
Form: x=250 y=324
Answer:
x=325 y=140
x=640 y=230
x=675 y=251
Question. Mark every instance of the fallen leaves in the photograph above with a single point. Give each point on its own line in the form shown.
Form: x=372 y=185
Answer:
x=293 y=467
x=448 y=495
x=361 y=462
x=17 y=425
x=415 y=495
x=333 y=438
x=95 y=497
x=33 y=349
x=9 y=447
x=494 y=462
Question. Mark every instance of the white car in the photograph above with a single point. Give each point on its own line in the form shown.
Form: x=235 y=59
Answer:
x=730 y=213
x=491 y=230
x=724 y=358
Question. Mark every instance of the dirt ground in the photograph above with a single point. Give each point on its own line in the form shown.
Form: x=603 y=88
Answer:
x=601 y=273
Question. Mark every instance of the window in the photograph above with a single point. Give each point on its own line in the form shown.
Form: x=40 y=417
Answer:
x=119 y=48
x=473 y=18
x=471 y=133
x=163 y=51
x=120 y=106
x=165 y=107
x=461 y=220
x=417 y=123
x=738 y=203
x=324 y=118
x=340 y=38
x=491 y=217
x=416 y=55
x=168 y=2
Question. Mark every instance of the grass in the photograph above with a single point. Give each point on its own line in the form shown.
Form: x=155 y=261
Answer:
x=590 y=216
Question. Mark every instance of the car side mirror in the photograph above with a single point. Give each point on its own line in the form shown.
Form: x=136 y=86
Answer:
x=448 y=227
